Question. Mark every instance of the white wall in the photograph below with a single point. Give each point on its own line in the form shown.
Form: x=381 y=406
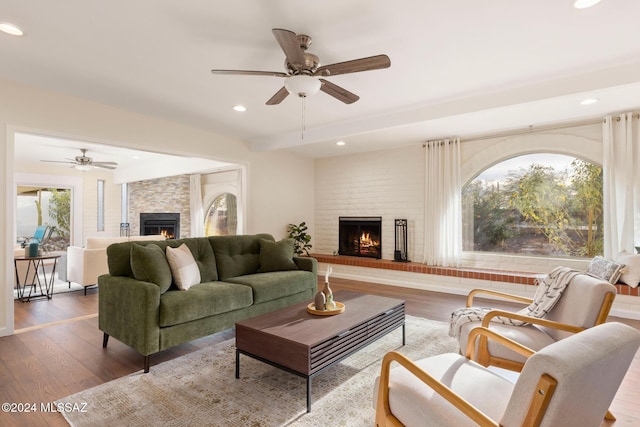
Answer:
x=279 y=185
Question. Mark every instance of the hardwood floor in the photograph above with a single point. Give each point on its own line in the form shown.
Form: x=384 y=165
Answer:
x=57 y=351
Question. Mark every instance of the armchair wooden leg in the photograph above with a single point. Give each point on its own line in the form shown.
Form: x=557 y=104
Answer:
x=105 y=339
x=146 y=364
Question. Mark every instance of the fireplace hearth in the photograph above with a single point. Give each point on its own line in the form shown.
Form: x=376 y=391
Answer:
x=165 y=224
x=360 y=236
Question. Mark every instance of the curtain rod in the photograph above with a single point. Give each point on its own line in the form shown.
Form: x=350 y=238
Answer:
x=530 y=129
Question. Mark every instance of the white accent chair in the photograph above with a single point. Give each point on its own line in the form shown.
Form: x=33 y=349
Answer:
x=586 y=302
x=84 y=265
x=570 y=383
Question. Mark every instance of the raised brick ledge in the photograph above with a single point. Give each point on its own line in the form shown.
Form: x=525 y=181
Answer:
x=467 y=273
x=415 y=267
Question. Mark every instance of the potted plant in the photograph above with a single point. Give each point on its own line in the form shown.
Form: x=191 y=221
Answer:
x=300 y=238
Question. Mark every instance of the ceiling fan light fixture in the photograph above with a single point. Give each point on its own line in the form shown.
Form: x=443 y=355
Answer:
x=302 y=85
x=83 y=168
x=589 y=101
x=9 y=28
x=583 y=4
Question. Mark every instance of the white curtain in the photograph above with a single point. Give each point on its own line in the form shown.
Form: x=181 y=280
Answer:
x=195 y=204
x=621 y=182
x=443 y=207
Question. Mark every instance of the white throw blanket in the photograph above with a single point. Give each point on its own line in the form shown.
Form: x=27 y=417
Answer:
x=550 y=289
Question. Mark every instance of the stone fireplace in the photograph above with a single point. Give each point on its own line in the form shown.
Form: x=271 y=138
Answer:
x=360 y=236
x=166 y=224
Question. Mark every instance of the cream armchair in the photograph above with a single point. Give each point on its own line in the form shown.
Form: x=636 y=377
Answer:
x=570 y=383
x=84 y=265
x=586 y=302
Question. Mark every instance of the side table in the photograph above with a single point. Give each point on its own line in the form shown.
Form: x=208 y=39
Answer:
x=35 y=268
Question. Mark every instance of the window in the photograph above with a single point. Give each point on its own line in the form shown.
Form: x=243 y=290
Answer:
x=222 y=216
x=36 y=206
x=536 y=204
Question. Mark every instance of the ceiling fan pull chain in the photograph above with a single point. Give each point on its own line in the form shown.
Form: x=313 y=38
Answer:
x=304 y=110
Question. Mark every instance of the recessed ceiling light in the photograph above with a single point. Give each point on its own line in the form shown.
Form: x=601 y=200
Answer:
x=12 y=29
x=583 y=4
x=240 y=108
x=588 y=101
x=341 y=143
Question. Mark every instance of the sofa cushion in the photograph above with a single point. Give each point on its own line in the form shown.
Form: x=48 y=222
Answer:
x=237 y=255
x=276 y=256
x=149 y=264
x=184 y=269
x=202 y=300
x=276 y=284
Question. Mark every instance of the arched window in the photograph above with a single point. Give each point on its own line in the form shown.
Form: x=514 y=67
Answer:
x=535 y=204
x=222 y=216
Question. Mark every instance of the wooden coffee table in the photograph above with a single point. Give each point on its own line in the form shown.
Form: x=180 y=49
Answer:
x=306 y=344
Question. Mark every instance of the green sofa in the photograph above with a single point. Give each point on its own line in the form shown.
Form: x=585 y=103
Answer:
x=241 y=277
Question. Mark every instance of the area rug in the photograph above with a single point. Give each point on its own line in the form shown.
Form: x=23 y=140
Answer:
x=200 y=389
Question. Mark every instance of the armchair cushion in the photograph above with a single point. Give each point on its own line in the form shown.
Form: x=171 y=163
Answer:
x=529 y=335
x=416 y=404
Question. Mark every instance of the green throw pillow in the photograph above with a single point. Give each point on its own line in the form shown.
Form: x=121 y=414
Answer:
x=149 y=264
x=276 y=256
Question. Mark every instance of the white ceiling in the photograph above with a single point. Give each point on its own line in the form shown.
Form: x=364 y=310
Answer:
x=133 y=165
x=458 y=67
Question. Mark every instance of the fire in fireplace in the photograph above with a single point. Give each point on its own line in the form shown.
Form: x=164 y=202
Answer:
x=165 y=224
x=360 y=236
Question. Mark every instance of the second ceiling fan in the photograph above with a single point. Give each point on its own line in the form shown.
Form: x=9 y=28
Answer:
x=304 y=74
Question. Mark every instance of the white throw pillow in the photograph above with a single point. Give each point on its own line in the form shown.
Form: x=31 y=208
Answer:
x=183 y=266
x=631 y=274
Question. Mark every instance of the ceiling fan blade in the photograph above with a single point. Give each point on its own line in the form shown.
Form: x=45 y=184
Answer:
x=104 y=165
x=288 y=41
x=338 y=92
x=59 y=161
x=250 y=73
x=354 y=66
x=278 y=97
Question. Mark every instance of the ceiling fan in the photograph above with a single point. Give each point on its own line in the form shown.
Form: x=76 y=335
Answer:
x=85 y=163
x=304 y=73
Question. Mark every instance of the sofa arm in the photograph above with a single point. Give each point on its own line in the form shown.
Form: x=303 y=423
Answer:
x=129 y=311
x=85 y=265
x=307 y=263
